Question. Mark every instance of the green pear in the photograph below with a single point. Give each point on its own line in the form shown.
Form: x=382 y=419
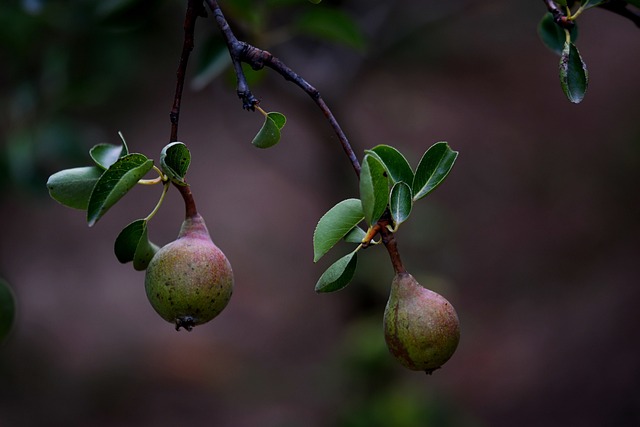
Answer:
x=421 y=327
x=189 y=281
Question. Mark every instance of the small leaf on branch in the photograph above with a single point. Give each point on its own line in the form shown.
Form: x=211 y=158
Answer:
x=433 y=169
x=115 y=182
x=400 y=202
x=339 y=274
x=574 y=77
x=72 y=187
x=355 y=235
x=334 y=225
x=552 y=35
x=107 y=154
x=132 y=244
x=174 y=161
x=394 y=162
x=269 y=134
x=374 y=189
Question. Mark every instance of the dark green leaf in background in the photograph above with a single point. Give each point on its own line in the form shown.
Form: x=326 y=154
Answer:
x=115 y=182
x=269 y=134
x=394 y=162
x=552 y=35
x=107 y=154
x=400 y=202
x=73 y=187
x=175 y=159
x=132 y=244
x=433 y=169
x=374 y=189
x=7 y=309
x=335 y=224
x=574 y=77
x=333 y=25
x=339 y=274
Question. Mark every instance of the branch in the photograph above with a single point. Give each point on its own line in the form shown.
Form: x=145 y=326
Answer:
x=241 y=51
x=559 y=16
x=194 y=9
x=619 y=7
x=389 y=241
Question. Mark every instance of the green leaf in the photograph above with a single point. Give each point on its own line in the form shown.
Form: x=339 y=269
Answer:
x=374 y=189
x=72 y=187
x=552 y=35
x=355 y=235
x=269 y=134
x=574 y=77
x=433 y=169
x=107 y=154
x=333 y=25
x=7 y=309
x=400 y=202
x=339 y=274
x=174 y=161
x=334 y=225
x=636 y=3
x=115 y=182
x=132 y=244
x=394 y=162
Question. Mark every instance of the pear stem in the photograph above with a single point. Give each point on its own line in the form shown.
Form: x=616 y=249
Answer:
x=389 y=240
x=189 y=203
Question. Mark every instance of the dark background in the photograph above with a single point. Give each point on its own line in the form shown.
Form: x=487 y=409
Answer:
x=533 y=237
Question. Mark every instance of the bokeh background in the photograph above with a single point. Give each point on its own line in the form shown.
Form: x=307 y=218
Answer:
x=534 y=237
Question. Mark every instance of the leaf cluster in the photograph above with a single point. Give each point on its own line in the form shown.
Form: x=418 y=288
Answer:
x=115 y=171
x=388 y=189
x=560 y=36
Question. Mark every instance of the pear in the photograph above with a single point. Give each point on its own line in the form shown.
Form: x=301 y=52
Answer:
x=189 y=281
x=421 y=327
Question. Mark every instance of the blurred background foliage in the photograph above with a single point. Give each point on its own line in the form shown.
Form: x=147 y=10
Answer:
x=533 y=237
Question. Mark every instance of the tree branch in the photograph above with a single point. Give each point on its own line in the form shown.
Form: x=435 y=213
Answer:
x=559 y=15
x=194 y=9
x=257 y=58
x=619 y=7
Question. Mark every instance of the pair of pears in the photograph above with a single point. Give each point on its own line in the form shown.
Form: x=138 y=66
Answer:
x=190 y=281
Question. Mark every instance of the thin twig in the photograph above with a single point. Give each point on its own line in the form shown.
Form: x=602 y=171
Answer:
x=241 y=51
x=620 y=7
x=559 y=15
x=194 y=9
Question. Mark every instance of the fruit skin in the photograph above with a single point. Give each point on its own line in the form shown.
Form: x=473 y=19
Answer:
x=189 y=281
x=421 y=327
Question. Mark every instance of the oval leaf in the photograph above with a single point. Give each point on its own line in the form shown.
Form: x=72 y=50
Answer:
x=400 y=202
x=115 y=182
x=278 y=118
x=269 y=134
x=339 y=274
x=356 y=235
x=433 y=169
x=7 y=309
x=107 y=154
x=552 y=35
x=374 y=189
x=175 y=159
x=394 y=162
x=334 y=225
x=574 y=77
x=132 y=244
x=72 y=187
